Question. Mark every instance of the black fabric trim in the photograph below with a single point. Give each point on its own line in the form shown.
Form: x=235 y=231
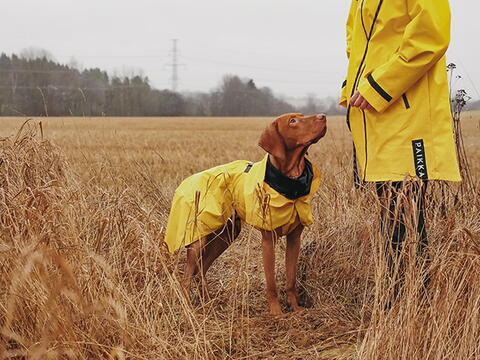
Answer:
x=363 y=21
x=405 y=101
x=291 y=188
x=344 y=84
x=378 y=88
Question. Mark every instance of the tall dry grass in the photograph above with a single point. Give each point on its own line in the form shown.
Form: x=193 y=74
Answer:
x=83 y=274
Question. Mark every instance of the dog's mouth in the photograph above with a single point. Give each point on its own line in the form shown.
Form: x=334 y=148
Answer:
x=322 y=133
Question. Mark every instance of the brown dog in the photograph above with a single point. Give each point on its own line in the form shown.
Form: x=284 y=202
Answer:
x=272 y=195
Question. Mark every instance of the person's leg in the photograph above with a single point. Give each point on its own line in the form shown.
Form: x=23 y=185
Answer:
x=395 y=212
x=392 y=222
x=393 y=229
x=422 y=258
x=421 y=225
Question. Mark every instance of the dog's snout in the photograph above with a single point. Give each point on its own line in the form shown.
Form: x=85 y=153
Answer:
x=322 y=117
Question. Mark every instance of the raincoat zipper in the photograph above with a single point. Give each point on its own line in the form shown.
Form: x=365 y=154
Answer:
x=357 y=78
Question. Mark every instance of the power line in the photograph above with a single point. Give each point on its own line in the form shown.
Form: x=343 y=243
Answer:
x=470 y=79
x=174 y=79
x=175 y=65
x=290 y=70
x=38 y=71
x=124 y=56
x=62 y=87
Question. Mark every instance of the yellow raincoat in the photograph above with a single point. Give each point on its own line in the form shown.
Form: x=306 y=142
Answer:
x=396 y=51
x=204 y=202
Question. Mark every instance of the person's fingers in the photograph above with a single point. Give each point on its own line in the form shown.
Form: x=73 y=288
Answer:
x=354 y=98
x=364 y=104
x=359 y=101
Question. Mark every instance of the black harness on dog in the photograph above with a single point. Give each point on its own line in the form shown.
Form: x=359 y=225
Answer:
x=291 y=188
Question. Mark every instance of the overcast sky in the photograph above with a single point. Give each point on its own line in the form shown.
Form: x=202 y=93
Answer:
x=295 y=47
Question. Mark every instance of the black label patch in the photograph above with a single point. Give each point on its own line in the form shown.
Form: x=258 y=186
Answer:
x=248 y=168
x=419 y=158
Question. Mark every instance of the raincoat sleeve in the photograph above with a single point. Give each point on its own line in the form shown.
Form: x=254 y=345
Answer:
x=351 y=16
x=425 y=41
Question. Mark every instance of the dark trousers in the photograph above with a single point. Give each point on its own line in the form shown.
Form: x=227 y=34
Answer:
x=403 y=205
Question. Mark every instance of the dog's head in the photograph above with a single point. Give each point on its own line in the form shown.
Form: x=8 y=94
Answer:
x=292 y=134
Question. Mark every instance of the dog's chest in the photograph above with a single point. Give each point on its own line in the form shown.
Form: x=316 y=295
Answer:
x=262 y=204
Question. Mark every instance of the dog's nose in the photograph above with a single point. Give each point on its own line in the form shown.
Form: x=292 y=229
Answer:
x=322 y=117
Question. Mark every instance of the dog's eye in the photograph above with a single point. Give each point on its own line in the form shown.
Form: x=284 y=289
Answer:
x=293 y=120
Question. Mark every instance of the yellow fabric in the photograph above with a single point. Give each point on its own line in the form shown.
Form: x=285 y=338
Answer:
x=403 y=76
x=226 y=190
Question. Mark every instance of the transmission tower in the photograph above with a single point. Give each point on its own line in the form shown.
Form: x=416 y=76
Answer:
x=174 y=65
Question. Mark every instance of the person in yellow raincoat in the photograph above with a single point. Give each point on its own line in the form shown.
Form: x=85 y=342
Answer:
x=397 y=99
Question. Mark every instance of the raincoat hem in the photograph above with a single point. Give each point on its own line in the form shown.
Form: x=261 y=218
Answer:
x=431 y=177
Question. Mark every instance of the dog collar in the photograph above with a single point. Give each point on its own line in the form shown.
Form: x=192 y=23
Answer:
x=291 y=188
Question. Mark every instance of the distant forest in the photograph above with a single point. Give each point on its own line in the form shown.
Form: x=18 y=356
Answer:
x=35 y=85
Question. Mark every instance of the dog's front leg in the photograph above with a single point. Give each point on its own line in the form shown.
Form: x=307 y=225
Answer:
x=268 y=251
x=291 y=260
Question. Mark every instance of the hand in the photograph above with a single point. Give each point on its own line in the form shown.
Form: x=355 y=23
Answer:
x=359 y=101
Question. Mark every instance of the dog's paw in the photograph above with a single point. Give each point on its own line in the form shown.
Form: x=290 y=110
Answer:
x=275 y=309
x=297 y=308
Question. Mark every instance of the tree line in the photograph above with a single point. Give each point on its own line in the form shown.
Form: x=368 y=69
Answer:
x=35 y=85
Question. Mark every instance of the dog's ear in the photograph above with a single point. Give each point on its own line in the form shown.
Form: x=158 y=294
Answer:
x=272 y=141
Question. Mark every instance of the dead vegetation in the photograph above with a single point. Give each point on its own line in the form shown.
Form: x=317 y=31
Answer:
x=83 y=205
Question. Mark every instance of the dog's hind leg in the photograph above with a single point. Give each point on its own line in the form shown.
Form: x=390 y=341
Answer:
x=194 y=255
x=218 y=242
x=201 y=254
x=216 y=245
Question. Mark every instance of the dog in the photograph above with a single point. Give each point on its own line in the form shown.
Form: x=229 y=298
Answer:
x=272 y=195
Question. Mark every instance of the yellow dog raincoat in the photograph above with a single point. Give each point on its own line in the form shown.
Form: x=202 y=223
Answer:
x=396 y=51
x=204 y=203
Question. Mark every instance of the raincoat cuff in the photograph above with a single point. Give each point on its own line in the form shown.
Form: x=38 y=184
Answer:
x=375 y=94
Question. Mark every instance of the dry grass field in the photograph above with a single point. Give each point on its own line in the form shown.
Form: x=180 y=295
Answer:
x=83 y=275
